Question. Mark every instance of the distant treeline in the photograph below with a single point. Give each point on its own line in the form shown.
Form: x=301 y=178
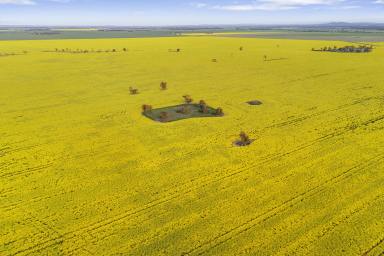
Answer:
x=46 y=33
x=6 y=54
x=68 y=50
x=351 y=49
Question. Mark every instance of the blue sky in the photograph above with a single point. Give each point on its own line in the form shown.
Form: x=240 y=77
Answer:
x=173 y=12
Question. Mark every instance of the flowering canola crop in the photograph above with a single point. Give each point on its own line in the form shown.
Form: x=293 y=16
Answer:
x=83 y=172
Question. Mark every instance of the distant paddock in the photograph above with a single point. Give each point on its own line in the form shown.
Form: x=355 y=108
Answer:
x=329 y=36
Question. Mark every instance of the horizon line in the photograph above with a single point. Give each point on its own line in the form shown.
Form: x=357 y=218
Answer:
x=204 y=25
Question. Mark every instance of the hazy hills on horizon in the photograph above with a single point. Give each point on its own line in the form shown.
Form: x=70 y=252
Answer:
x=320 y=26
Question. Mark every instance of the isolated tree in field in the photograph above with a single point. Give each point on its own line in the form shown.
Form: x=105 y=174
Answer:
x=203 y=107
x=178 y=50
x=147 y=108
x=219 y=112
x=163 y=86
x=241 y=48
x=133 y=91
x=113 y=50
x=188 y=99
x=214 y=60
x=265 y=57
x=124 y=49
x=244 y=139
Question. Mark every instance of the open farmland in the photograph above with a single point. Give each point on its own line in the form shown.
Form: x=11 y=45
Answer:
x=83 y=172
x=374 y=36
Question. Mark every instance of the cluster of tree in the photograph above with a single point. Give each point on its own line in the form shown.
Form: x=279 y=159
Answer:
x=352 y=49
x=203 y=107
x=67 y=50
x=5 y=54
x=163 y=115
x=134 y=91
x=46 y=33
x=243 y=140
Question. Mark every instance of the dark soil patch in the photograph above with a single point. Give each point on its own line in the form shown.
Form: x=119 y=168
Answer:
x=255 y=102
x=179 y=112
x=239 y=143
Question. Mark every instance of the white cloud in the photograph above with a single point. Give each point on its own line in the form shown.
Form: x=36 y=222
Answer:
x=379 y=2
x=60 y=1
x=199 y=5
x=350 y=7
x=276 y=4
x=18 y=2
x=29 y=2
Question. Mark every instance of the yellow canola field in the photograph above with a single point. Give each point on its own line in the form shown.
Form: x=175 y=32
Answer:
x=82 y=172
